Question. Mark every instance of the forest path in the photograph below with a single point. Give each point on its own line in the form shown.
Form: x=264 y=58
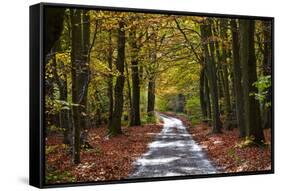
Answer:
x=172 y=153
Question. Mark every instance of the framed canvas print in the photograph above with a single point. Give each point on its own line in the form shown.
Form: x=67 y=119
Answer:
x=127 y=95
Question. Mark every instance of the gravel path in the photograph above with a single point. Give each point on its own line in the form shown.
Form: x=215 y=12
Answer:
x=172 y=153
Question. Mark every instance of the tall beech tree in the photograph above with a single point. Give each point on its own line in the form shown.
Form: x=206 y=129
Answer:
x=152 y=76
x=110 y=78
x=115 y=126
x=207 y=98
x=76 y=60
x=135 y=78
x=80 y=76
x=84 y=68
x=157 y=40
x=202 y=93
x=224 y=37
x=237 y=79
x=249 y=76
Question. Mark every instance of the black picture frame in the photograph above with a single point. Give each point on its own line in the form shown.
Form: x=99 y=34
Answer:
x=37 y=132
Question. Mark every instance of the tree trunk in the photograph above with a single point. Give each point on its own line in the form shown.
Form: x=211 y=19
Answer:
x=151 y=96
x=65 y=116
x=115 y=127
x=85 y=73
x=219 y=63
x=135 y=80
x=130 y=108
x=98 y=108
x=207 y=99
x=249 y=76
x=267 y=48
x=151 y=80
x=76 y=60
x=80 y=77
x=267 y=69
x=237 y=80
x=110 y=79
x=208 y=48
x=202 y=94
x=223 y=26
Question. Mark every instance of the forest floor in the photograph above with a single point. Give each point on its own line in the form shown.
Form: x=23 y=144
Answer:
x=131 y=154
x=110 y=159
x=225 y=149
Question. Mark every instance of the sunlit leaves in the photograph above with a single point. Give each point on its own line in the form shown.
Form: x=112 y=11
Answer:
x=54 y=106
x=263 y=84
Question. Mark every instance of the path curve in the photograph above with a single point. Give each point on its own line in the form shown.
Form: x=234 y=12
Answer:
x=172 y=153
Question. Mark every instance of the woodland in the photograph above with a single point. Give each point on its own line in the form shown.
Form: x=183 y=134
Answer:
x=109 y=75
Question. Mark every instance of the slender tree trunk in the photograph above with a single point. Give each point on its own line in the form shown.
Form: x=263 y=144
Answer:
x=76 y=59
x=151 y=97
x=135 y=80
x=220 y=84
x=80 y=77
x=115 y=127
x=223 y=26
x=219 y=64
x=202 y=94
x=151 y=81
x=85 y=71
x=65 y=116
x=110 y=79
x=249 y=76
x=267 y=119
x=237 y=80
x=131 y=107
x=207 y=99
x=98 y=108
x=267 y=48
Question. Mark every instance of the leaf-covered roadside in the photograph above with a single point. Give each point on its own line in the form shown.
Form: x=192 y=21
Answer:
x=226 y=151
x=109 y=159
